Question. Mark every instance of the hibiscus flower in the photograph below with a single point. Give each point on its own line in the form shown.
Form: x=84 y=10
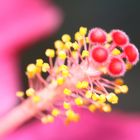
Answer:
x=27 y=23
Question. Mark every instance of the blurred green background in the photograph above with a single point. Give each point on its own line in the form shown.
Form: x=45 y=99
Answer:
x=108 y=14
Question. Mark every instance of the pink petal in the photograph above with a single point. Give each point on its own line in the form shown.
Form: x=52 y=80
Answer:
x=22 y=22
x=97 y=126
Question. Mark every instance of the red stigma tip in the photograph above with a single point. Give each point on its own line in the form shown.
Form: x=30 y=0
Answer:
x=97 y=35
x=116 y=67
x=100 y=54
x=131 y=53
x=119 y=37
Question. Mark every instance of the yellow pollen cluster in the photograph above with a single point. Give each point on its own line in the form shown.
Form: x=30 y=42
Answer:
x=128 y=66
x=45 y=67
x=75 y=46
x=71 y=116
x=30 y=92
x=83 y=84
x=50 y=53
x=88 y=94
x=109 y=38
x=79 y=101
x=59 y=44
x=116 y=52
x=60 y=80
x=31 y=70
x=112 y=98
x=62 y=55
x=83 y=30
x=78 y=36
x=55 y=112
x=20 y=94
x=102 y=98
x=66 y=38
x=47 y=119
x=36 y=99
x=39 y=62
x=67 y=91
x=95 y=97
x=85 y=53
x=92 y=107
x=68 y=45
x=124 y=89
x=66 y=105
x=107 y=108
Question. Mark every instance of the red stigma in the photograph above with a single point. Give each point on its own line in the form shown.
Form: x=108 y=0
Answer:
x=116 y=67
x=119 y=37
x=100 y=54
x=131 y=53
x=97 y=35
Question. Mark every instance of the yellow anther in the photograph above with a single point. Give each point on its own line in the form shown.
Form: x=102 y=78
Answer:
x=31 y=70
x=87 y=40
x=65 y=73
x=55 y=112
x=103 y=69
x=92 y=107
x=39 y=62
x=67 y=91
x=47 y=119
x=107 y=108
x=83 y=31
x=79 y=101
x=102 y=98
x=20 y=94
x=85 y=53
x=60 y=80
x=68 y=45
x=63 y=67
x=112 y=98
x=116 y=52
x=107 y=45
x=88 y=94
x=66 y=105
x=62 y=55
x=109 y=38
x=117 y=90
x=66 y=38
x=72 y=116
x=50 y=53
x=85 y=84
x=30 y=92
x=78 y=36
x=129 y=66
x=99 y=105
x=45 y=67
x=124 y=89
x=36 y=99
x=59 y=44
x=119 y=81
x=79 y=85
x=74 y=54
x=95 y=96
x=75 y=46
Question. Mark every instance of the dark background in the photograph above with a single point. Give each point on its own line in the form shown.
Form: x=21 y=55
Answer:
x=108 y=14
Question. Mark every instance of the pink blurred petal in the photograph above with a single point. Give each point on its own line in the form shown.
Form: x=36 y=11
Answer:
x=97 y=126
x=22 y=22
x=8 y=82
